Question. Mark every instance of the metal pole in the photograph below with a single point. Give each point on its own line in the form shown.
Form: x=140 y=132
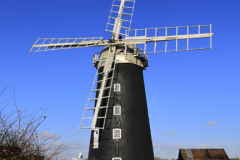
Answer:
x=145 y=48
x=176 y=38
x=166 y=40
x=187 y=34
x=156 y=32
x=210 y=37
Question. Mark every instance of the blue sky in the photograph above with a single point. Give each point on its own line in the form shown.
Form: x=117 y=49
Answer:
x=193 y=97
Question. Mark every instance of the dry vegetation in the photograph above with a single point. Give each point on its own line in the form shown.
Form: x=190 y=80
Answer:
x=19 y=137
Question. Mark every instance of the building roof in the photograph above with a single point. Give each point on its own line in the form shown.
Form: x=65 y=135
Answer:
x=202 y=154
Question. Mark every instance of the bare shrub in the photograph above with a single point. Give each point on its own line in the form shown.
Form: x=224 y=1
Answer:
x=19 y=137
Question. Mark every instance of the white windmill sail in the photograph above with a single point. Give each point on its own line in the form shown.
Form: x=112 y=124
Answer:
x=147 y=35
x=49 y=44
x=108 y=68
x=120 y=17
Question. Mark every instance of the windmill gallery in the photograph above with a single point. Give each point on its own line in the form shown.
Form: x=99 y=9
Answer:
x=116 y=109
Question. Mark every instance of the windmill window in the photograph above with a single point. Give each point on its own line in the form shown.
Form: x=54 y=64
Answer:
x=116 y=133
x=117 y=110
x=117 y=87
x=96 y=138
x=116 y=158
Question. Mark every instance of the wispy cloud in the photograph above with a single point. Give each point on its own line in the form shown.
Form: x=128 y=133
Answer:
x=85 y=134
x=77 y=145
x=169 y=133
x=169 y=147
x=48 y=136
x=155 y=145
x=212 y=123
x=208 y=145
x=177 y=146
x=220 y=145
x=71 y=146
x=71 y=149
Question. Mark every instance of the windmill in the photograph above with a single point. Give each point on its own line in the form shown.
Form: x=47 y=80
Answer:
x=116 y=110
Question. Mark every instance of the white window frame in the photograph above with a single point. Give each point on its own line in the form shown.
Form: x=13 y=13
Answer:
x=120 y=133
x=96 y=138
x=116 y=158
x=114 y=111
x=115 y=87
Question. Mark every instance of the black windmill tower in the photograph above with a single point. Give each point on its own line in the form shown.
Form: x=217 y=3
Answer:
x=117 y=101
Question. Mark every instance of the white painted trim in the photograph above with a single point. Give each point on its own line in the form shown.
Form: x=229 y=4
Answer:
x=117 y=129
x=114 y=111
x=115 y=87
x=96 y=138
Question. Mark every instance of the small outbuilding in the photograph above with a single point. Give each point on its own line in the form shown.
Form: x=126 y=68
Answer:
x=202 y=154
